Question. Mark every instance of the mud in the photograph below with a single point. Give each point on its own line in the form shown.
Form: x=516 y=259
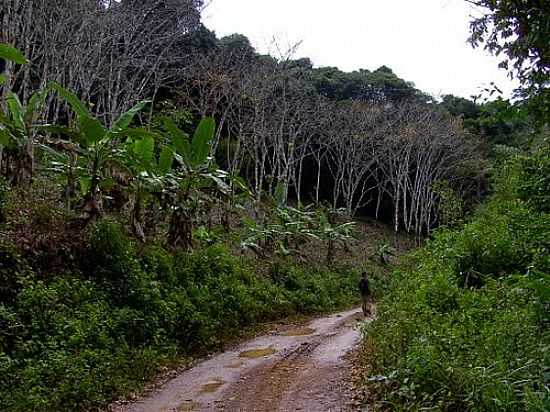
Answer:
x=302 y=368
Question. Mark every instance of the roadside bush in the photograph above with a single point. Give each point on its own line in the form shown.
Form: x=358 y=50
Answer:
x=534 y=181
x=467 y=327
x=77 y=341
x=310 y=290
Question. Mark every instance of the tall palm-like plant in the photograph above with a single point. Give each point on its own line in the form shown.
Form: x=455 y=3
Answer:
x=182 y=171
x=99 y=151
x=17 y=124
x=18 y=132
x=197 y=181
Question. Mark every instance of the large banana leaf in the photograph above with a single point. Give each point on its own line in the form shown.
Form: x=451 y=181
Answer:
x=16 y=110
x=12 y=54
x=166 y=158
x=144 y=149
x=126 y=118
x=92 y=129
x=78 y=107
x=202 y=140
x=89 y=126
x=180 y=139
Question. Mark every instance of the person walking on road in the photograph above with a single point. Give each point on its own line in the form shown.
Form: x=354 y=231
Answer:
x=365 y=293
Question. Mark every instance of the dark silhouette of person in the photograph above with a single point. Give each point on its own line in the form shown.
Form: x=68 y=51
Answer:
x=365 y=293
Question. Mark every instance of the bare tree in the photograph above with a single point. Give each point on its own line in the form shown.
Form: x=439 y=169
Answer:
x=110 y=53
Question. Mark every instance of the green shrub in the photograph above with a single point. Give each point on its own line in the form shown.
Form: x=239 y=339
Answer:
x=534 y=182
x=111 y=254
x=12 y=270
x=76 y=342
x=466 y=327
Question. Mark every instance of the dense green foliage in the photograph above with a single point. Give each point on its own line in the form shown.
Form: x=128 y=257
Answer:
x=465 y=327
x=534 y=180
x=76 y=341
x=518 y=32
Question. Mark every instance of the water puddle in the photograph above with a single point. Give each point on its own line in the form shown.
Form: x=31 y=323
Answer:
x=257 y=353
x=298 y=332
x=189 y=407
x=212 y=386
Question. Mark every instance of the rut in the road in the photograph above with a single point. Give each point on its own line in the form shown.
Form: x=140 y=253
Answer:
x=299 y=369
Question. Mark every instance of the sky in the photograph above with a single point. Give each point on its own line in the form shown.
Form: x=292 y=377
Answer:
x=423 y=41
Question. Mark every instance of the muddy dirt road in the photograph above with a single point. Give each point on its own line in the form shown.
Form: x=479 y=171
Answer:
x=296 y=368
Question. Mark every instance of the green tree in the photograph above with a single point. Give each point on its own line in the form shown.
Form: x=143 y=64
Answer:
x=519 y=31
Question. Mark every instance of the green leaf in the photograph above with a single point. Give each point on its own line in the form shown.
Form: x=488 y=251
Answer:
x=16 y=110
x=4 y=137
x=107 y=184
x=36 y=101
x=78 y=107
x=126 y=118
x=3 y=79
x=144 y=149
x=12 y=54
x=202 y=140
x=180 y=139
x=92 y=129
x=166 y=159
x=85 y=184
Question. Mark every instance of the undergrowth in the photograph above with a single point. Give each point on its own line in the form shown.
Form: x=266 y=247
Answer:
x=465 y=328
x=75 y=341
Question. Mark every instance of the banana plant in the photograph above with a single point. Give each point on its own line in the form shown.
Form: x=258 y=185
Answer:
x=149 y=173
x=18 y=131
x=334 y=233
x=100 y=152
x=291 y=228
x=195 y=183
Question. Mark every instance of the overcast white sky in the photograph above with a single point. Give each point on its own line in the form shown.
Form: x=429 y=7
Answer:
x=423 y=41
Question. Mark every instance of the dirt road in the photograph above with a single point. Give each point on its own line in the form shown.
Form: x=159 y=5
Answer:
x=296 y=368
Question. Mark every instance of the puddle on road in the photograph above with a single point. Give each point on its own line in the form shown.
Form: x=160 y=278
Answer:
x=189 y=407
x=298 y=332
x=212 y=386
x=257 y=353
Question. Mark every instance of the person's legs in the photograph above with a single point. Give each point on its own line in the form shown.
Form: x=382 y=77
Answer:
x=365 y=305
